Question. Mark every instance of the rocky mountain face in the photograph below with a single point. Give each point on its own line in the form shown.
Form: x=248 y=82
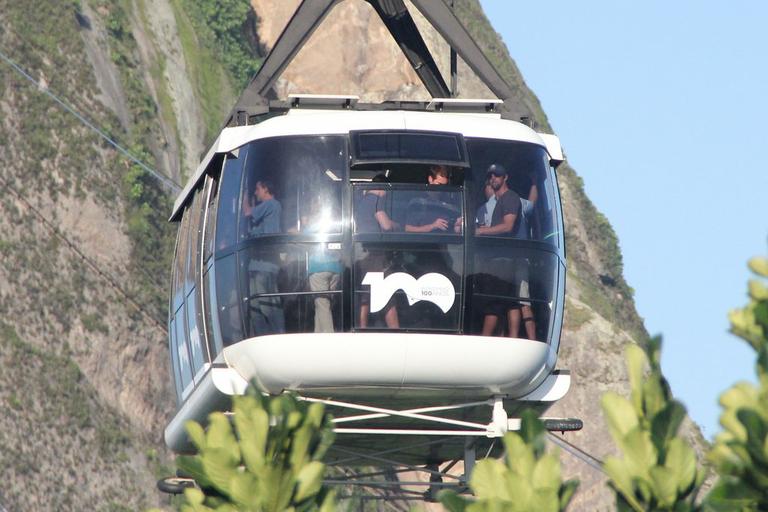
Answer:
x=84 y=379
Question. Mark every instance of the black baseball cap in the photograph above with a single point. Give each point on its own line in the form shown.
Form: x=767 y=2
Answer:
x=496 y=170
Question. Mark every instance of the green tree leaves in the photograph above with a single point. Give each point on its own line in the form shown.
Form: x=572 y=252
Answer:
x=658 y=470
x=266 y=459
x=226 y=21
x=526 y=479
x=270 y=461
x=740 y=454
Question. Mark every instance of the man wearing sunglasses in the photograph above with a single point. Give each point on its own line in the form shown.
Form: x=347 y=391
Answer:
x=507 y=277
x=505 y=215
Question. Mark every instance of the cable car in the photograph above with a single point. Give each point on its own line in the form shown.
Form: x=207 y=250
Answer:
x=353 y=253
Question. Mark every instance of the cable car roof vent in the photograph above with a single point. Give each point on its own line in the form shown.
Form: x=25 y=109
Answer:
x=316 y=101
x=463 y=105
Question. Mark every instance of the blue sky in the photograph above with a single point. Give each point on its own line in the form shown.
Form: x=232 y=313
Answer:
x=662 y=108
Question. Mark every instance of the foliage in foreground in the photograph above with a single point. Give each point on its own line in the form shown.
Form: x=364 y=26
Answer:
x=527 y=479
x=740 y=453
x=278 y=467
x=658 y=470
x=269 y=460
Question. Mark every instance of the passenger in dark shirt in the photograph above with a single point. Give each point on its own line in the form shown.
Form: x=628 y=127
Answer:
x=371 y=217
x=501 y=278
x=431 y=214
x=505 y=215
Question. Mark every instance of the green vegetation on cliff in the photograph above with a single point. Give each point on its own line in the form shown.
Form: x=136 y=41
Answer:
x=67 y=432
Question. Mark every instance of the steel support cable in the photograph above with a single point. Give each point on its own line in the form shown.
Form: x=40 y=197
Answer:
x=577 y=452
x=169 y=183
x=104 y=275
x=396 y=463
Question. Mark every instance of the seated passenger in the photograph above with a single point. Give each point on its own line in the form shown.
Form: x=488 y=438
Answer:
x=371 y=217
x=433 y=212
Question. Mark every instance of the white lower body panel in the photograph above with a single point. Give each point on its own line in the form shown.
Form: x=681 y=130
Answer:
x=398 y=371
x=391 y=363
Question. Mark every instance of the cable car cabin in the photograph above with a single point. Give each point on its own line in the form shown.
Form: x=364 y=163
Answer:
x=400 y=258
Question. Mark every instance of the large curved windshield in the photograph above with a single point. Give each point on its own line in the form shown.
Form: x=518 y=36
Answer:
x=292 y=185
x=301 y=237
x=323 y=245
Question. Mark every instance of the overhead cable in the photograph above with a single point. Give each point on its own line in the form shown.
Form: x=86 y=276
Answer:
x=577 y=452
x=166 y=181
x=92 y=264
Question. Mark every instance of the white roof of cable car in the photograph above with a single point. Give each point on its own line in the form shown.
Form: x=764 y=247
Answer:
x=325 y=122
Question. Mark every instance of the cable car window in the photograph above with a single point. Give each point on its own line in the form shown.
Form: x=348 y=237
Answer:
x=228 y=300
x=414 y=209
x=174 y=360
x=410 y=146
x=211 y=308
x=185 y=367
x=229 y=193
x=210 y=220
x=512 y=290
x=408 y=285
x=292 y=287
x=192 y=266
x=553 y=196
x=520 y=172
x=196 y=347
x=182 y=248
x=290 y=182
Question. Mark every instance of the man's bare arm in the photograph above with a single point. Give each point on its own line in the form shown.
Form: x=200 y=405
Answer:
x=507 y=223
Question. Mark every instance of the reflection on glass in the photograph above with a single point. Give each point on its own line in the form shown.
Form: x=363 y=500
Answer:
x=174 y=359
x=229 y=192
x=199 y=356
x=210 y=222
x=180 y=261
x=298 y=172
x=211 y=308
x=324 y=265
x=228 y=300
x=185 y=368
x=264 y=312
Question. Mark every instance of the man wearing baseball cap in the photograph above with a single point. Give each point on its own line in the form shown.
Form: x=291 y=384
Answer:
x=505 y=215
x=504 y=222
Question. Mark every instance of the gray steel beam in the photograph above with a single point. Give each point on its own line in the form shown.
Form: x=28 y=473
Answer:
x=442 y=18
x=300 y=27
x=310 y=14
x=400 y=24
